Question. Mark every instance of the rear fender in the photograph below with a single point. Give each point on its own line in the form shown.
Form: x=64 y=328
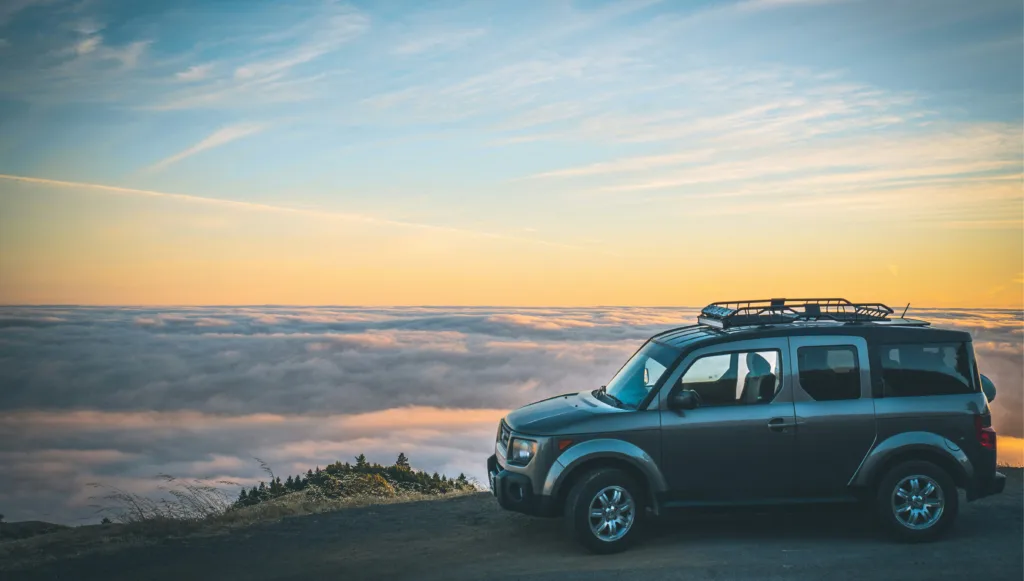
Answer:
x=908 y=443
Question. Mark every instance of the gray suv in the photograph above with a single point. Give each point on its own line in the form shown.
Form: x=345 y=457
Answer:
x=762 y=402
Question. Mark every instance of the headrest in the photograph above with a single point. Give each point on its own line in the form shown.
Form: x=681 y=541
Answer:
x=758 y=365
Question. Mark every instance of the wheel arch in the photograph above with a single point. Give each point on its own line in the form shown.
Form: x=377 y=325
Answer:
x=909 y=446
x=604 y=453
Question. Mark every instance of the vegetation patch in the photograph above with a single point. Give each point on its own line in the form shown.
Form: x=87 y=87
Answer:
x=197 y=507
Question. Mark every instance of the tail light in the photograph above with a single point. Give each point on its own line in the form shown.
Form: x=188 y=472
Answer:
x=984 y=432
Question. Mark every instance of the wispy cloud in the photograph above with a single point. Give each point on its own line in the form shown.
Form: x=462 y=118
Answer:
x=279 y=72
x=324 y=34
x=631 y=164
x=194 y=73
x=442 y=41
x=218 y=138
x=254 y=206
x=88 y=45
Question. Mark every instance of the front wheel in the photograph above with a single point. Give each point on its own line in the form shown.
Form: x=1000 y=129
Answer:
x=917 y=501
x=603 y=510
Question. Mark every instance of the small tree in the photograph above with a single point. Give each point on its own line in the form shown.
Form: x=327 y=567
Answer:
x=361 y=464
x=289 y=484
x=403 y=462
x=106 y=521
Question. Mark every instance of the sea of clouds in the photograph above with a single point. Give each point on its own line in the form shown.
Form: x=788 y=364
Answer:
x=119 y=395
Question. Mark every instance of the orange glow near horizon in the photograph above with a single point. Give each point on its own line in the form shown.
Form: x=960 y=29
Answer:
x=70 y=245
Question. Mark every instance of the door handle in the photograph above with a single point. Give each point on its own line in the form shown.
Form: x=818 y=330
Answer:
x=780 y=424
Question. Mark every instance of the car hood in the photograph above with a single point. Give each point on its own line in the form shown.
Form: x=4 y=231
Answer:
x=553 y=415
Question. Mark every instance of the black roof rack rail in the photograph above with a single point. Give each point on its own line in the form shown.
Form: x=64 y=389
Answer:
x=723 y=315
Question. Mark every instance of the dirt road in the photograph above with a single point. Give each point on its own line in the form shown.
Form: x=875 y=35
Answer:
x=470 y=538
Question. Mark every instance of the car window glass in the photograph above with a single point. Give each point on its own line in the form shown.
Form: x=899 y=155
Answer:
x=926 y=369
x=748 y=377
x=653 y=370
x=638 y=376
x=829 y=373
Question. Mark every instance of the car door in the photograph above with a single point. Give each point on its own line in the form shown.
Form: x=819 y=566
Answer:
x=834 y=411
x=726 y=452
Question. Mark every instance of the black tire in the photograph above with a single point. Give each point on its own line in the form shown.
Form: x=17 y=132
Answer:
x=887 y=507
x=584 y=492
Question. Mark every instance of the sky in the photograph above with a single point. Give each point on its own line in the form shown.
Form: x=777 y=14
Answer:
x=630 y=152
x=116 y=396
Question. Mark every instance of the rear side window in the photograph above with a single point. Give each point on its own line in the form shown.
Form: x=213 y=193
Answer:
x=829 y=373
x=911 y=370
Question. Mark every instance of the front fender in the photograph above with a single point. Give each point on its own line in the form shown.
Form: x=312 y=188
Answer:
x=603 y=448
x=912 y=442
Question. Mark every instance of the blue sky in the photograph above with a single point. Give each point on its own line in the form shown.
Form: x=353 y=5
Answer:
x=585 y=126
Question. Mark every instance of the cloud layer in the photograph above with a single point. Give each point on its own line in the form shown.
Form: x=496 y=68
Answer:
x=118 y=395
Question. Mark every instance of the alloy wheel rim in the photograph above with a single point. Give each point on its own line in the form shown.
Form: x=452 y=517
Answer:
x=918 y=502
x=612 y=512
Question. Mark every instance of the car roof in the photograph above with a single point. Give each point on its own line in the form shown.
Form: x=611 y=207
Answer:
x=887 y=331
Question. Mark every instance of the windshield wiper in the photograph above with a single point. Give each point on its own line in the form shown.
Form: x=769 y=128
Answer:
x=604 y=391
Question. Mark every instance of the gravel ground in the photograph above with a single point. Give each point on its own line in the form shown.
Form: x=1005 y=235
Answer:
x=470 y=538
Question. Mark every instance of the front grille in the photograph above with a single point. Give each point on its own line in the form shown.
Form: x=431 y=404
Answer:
x=503 y=435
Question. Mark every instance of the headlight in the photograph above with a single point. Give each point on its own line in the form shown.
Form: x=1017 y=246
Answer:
x=521 y=451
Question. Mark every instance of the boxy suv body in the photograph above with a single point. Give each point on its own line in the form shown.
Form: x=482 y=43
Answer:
x=762 y=402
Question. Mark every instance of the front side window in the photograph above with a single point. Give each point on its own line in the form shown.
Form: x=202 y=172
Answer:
x=911 y=370
x=829 y=373
x=746 y=377
x=641 y=373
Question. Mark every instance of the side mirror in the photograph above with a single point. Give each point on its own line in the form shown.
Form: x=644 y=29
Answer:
x=686 y=399
x=988 y=388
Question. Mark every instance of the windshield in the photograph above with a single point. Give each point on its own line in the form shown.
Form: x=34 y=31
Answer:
x=636 y=378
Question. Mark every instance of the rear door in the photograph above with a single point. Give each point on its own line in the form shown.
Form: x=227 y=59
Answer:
x=835 y=413
x=739 y=445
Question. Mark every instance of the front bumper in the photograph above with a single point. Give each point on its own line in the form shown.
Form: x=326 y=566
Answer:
x=988 y=487
x=515 y=491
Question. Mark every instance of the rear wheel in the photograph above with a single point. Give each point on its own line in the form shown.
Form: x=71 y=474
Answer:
x=917 y=501
x=603 y=510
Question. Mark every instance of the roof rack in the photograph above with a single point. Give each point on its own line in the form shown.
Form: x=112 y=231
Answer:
x=724 y=315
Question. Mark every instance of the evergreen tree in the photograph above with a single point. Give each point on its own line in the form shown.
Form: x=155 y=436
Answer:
x=403 y=462
x=400 y=475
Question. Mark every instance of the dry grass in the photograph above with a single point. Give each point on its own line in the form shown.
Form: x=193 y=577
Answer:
x=187 y=501
x=189 y=508
x=301 y=503
x=194 y=507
